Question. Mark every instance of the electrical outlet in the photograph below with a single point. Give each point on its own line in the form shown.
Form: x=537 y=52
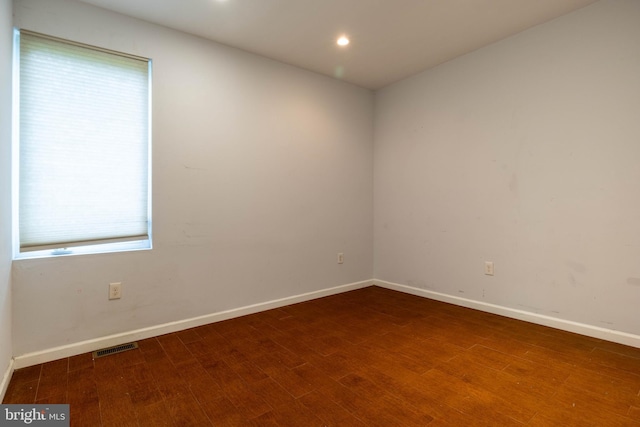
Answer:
x=340 y=258
x=488 y=268
x=115 y=290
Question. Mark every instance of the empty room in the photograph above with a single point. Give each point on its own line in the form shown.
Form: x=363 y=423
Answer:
x=320 y=213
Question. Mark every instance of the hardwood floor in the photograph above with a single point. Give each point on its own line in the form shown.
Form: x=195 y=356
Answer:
x=371 y=357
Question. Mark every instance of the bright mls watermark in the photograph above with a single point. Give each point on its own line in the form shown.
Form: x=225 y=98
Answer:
x=34 y=415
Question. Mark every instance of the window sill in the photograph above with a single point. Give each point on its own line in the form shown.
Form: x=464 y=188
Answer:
x=140 y=245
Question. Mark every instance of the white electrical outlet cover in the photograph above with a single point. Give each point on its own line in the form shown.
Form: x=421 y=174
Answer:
x=488 y=268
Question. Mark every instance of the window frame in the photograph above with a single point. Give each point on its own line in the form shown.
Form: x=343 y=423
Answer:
x=96 y=247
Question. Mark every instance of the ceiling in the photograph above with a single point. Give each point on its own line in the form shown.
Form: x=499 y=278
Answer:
x=390 y=39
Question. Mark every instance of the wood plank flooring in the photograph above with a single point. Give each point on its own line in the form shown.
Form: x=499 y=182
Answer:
x=371 y=357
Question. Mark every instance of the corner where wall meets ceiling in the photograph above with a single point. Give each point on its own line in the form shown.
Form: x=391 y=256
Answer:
x=390 y=40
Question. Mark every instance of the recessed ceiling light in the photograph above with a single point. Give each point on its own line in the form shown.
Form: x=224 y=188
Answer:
x=343 y=41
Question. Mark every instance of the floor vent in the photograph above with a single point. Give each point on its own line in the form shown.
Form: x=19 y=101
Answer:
x=116 y=349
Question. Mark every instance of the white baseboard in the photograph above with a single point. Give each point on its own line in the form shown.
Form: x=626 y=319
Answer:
x=540 y=319
x=5 y=379
x=48 y=355
x=140 y=334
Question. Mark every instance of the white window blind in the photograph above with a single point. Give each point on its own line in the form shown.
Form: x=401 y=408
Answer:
x=83 y=145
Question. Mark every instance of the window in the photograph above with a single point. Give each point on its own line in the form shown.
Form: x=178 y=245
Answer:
x=81 y=148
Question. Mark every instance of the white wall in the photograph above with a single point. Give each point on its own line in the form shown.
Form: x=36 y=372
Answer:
x=6 y=47
x=262 y=174
x=525 y=153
